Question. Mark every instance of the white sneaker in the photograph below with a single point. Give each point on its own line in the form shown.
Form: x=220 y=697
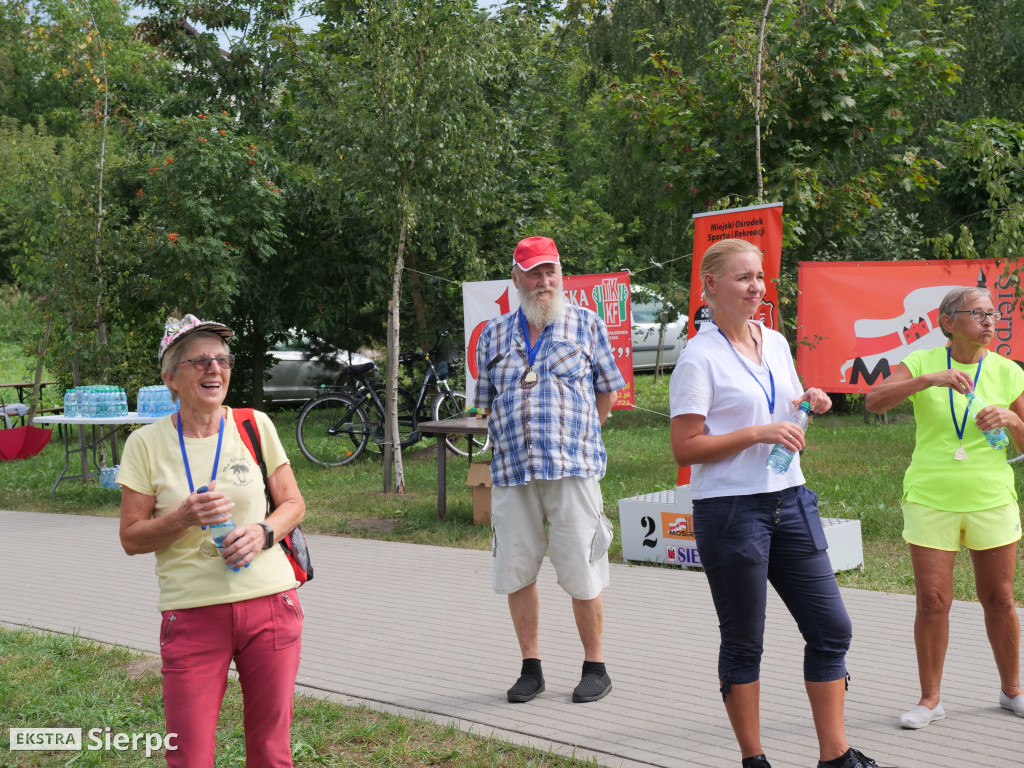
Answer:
x=920 y=716
x=1015 y=705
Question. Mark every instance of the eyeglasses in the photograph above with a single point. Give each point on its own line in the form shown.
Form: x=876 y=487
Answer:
x=979 y=315
x=202 y=363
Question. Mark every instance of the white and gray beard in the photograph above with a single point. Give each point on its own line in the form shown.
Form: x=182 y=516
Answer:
x=542 y=314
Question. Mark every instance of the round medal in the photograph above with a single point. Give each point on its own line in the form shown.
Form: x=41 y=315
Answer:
x=208 y=549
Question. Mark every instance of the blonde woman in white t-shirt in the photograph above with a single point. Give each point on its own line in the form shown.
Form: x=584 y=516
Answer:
x=731 y=394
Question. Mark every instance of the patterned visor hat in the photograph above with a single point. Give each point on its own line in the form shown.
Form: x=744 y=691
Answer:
x=176 y=329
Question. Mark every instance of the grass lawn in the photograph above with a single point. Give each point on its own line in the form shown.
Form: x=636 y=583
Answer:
x=57 y=681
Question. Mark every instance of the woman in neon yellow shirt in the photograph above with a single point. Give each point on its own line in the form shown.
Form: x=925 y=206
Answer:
x=958 y=491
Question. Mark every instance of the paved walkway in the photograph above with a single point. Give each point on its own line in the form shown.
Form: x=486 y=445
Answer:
x=416 y=630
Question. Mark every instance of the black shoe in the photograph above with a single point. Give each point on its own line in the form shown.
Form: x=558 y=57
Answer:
x=592 y=687
x=854 y=759
x=758 y=761
x=526 y=689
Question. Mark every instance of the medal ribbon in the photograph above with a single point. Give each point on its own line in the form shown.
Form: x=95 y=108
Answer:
x=184 y=455
x=531 y=350
x=963 y=424
x=770 y=399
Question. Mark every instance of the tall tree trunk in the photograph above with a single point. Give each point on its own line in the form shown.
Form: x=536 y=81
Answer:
x=757 y=102
x=394 y=327
x=41 y=355
x=259 y=354
x=417 y=300
x=101 y=323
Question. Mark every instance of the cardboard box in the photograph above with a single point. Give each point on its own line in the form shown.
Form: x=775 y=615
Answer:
x=480 y=481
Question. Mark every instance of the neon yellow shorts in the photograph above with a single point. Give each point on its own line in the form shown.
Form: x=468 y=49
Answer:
x=941 y=529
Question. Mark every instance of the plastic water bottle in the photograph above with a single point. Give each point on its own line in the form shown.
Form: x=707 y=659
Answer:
x=996 y=437
x=70 y=403
x=781 y=457
x=219 y=530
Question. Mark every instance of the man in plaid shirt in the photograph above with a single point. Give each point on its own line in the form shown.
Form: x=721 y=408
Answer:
x=547 y=380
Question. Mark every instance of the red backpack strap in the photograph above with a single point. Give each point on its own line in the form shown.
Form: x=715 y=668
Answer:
x=242 y=415
x=245 y=420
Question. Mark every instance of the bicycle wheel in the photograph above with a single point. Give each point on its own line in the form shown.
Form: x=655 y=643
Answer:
x=332 y=430
x=452 y=405
x=407 y=433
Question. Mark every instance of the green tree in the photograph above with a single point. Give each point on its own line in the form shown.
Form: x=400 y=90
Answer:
x=242 y=87
x=409 y=131
x=840 y=146
x=984 y=180
x=73 y=53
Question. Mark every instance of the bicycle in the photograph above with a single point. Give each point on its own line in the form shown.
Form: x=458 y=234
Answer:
x=336 y=426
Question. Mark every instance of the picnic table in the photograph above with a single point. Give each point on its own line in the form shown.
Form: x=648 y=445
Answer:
x=456 y=426
x=101 y=429
x=19 y=409
x=21 y=386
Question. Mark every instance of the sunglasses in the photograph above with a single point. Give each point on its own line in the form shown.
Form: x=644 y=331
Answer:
x=201 y=364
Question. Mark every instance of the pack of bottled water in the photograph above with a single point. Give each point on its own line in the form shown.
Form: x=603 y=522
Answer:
x=108 y=477
x=156 y=401
x=95 y=401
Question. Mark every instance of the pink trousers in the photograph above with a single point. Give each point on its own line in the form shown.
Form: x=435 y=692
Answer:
x=197 y=645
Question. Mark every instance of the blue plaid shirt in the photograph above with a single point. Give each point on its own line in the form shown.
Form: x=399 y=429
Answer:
x=552 y=429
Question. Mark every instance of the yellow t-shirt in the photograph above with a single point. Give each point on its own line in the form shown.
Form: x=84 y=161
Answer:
x=934 y=478
x=151 y=463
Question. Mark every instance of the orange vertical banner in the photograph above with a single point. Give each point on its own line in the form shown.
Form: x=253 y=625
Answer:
x=758 y=224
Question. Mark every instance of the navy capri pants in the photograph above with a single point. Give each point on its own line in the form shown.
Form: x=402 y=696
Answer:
x=747 y=541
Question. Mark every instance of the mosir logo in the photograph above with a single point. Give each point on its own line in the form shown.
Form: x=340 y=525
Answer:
x=677 y=526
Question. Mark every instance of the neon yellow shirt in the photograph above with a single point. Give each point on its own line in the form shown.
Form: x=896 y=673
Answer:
x=152 y=465
x=934 y=478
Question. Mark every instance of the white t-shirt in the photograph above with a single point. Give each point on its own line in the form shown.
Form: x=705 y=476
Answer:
x=712 y=379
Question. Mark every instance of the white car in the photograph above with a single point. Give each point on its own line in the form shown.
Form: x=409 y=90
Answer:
x=647 y=306
x=297 y=375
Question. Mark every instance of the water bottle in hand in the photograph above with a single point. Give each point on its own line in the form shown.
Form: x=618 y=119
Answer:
x=219 y=530
x=996 y=437
x=781 y=457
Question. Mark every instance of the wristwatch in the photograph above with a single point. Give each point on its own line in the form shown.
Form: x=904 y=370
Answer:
x=270 y=535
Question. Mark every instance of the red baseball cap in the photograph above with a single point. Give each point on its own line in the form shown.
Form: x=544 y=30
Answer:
x=534 y=251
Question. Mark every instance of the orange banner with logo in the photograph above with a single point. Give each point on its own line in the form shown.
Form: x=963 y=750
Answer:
x=758 y=224
x=606 y=294
x=857 y=320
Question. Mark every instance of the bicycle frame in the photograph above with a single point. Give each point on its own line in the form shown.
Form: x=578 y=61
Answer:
x=355 y=416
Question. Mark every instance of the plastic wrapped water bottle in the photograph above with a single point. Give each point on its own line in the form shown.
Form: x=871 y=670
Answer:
x=997 y=438
x=781 y=457
x=70 y=403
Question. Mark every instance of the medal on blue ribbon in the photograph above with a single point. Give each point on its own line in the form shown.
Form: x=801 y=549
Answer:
x=530 y=377
x=960 y=454
x=207 y=548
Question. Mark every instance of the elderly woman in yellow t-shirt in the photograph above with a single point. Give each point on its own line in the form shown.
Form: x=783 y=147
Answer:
x=224 y=597
x=958 y=491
